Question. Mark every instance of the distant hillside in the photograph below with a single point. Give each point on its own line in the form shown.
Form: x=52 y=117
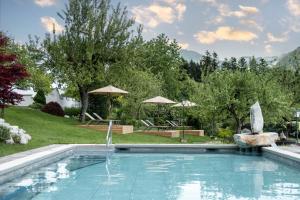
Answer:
x=290 y=60
x=189 y=55
x=271 y=60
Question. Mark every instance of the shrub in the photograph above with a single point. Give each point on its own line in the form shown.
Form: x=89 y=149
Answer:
x=36 y=106
x=53 y=108
x=72 y=111
x=40 y=97
x=16 y=139
x=225 y=134
x=4 y=133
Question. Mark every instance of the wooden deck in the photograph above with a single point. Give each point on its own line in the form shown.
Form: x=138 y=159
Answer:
x=122 y=129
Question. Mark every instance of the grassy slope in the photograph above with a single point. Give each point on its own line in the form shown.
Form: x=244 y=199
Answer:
x=47 y=129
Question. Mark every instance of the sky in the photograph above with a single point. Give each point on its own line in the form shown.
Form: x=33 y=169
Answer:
x=228 y=27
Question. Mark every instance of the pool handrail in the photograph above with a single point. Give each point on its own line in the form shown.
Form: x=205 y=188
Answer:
x=109 y=134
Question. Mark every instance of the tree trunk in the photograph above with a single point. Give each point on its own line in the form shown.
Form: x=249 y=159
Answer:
x=238 y=126
x=84 y=98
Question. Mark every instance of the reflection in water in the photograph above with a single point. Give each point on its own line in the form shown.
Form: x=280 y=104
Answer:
x=159 y=177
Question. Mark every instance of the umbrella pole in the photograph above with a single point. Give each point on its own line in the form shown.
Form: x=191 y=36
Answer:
x=183 y=124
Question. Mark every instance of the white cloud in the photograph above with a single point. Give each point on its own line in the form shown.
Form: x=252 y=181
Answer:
x=156 y=13
x=224 y=33
x=251 y=23
x=180 y=33
x=44 y=3
x=294 y=7
x=268 y=48
x=180 y=8
x=244 y=11
x=272 y=38
x=49 y=23
x=183 y=45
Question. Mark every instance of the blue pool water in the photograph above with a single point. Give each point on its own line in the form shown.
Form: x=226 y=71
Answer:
x=158 y=177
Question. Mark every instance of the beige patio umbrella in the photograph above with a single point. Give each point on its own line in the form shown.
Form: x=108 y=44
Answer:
x=110 y=91
x=184 y=104
x=159 y=100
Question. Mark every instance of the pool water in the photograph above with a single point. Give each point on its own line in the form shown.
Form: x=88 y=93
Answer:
x=158 y=177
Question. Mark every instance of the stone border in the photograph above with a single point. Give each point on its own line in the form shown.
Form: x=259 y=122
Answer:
x=280 y=155
x=16 y=165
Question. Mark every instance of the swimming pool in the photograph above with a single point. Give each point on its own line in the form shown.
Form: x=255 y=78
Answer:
x=158 y=177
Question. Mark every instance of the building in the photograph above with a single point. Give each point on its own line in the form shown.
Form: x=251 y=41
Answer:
x=55 y=96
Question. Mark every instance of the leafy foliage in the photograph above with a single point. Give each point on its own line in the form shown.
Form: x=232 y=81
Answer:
x=40 y=97
x=11 y=71
x=72 y=111
x=94 y=36
x=53 y=108
x=4 y=133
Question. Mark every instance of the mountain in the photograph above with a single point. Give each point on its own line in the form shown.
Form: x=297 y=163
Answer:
x=271 y=60
x=290 y=60
x=189 y=55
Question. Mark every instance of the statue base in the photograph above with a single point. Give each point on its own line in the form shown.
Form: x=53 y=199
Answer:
x=258 y=140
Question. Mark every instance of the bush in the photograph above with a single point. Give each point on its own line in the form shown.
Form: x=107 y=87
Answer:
x=72 y=111
x=16 y=139
x=36 y=106
x=53 y=108
x=40 y=97
x=4 y=133
x=225 y=134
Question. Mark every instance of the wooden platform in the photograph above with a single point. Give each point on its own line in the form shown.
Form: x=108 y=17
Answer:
x=165 y=133
x=193 y=132
x=122 y=129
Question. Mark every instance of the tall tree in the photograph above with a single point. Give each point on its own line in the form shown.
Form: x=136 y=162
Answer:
x=94 y=36
x=11 y=71
x=242 y=63
x=232 y=93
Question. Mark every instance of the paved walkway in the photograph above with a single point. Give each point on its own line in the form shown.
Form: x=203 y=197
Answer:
x=293 y=148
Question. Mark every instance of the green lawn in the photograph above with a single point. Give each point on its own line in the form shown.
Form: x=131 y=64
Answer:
x=46 y=129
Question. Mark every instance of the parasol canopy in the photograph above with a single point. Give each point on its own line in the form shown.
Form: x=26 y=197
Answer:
x=159 y=100
x=185 y=104
x=109 y=90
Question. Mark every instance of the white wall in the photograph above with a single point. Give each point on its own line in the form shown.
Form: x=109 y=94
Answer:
x=54 y=96
x=27 y=101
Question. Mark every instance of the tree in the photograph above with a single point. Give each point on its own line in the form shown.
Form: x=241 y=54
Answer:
x=40 y=97
x=33 y=57
x=232 y=93
x=242 y=63
x=11 y=71
x=94 y=36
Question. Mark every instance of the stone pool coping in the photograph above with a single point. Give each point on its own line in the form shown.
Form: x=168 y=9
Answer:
x=21 y=163
x=282 y=155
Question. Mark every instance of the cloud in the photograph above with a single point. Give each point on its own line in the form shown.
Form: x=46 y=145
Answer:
x=44 y=3
x=224 y=33
x=183 y=45
x=272 y=38
x=157 y=13
x=294 y=7
x=244 y=11
x=180 y=8
x=268 y=48
x=49 y=23
x=251 y=23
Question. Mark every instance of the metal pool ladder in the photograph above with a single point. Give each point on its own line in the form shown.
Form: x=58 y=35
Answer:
x=109 y=134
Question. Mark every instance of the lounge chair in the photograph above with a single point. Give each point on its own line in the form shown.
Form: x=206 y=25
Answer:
x=175 y=125
x=115 y=121
x=149 y=125
x=92 y=119
x=98 y=116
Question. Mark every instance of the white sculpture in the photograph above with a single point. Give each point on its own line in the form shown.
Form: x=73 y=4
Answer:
x=257 y=137
x=256 y=119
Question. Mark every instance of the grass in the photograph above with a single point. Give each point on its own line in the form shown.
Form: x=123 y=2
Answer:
x=46 y=129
